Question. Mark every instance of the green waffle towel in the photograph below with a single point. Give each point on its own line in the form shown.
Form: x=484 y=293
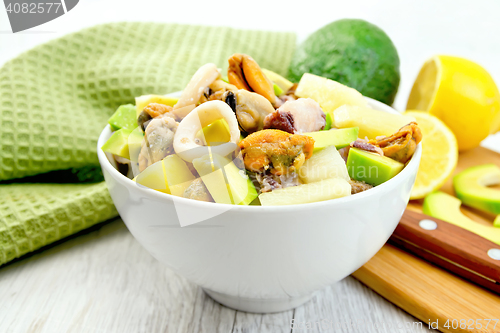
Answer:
x=56 y=98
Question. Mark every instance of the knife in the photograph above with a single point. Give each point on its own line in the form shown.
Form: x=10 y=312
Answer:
x=457 y=250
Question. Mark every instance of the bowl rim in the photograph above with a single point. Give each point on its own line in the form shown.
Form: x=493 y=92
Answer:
x=106 y=164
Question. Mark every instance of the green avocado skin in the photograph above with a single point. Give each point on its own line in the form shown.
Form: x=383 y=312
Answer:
x=353 y=52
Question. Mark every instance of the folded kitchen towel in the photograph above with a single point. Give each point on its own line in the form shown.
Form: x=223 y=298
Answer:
x=56 y=98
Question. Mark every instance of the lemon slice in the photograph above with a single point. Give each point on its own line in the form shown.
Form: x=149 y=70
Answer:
x=328 y=93
x=439 y=154
x=462 y=94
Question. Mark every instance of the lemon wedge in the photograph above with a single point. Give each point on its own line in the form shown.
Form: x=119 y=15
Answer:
x=439 y=154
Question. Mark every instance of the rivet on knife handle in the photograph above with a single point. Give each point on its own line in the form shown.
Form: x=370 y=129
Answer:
x=451 y=247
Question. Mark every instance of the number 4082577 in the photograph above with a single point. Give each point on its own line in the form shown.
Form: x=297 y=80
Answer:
x=470 y=323
x=33 y=8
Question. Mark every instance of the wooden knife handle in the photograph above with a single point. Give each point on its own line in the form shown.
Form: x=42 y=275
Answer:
x=453 y=248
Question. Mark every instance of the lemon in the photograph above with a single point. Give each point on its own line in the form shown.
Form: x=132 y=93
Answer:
x=462 y=94
x=328 y=93
x=439 y=154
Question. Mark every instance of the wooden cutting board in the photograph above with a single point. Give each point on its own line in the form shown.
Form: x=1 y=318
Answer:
x=428 y=292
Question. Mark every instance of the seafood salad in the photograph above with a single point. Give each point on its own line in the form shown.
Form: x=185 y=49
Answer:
x=255 y=138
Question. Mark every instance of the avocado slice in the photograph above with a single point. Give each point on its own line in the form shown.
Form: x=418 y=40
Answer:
x=117 y=144
x=170 y=175
x=371 y=168
x=124 y=117
x=225 y=182
x=447 y=208
x=471 y=186
x=142 y=101
x=339 y=138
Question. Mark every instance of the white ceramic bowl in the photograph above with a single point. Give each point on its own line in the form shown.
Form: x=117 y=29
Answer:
x=262 y=259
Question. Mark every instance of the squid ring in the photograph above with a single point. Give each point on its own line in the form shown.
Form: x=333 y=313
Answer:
x=185 y=137
x=203 y=77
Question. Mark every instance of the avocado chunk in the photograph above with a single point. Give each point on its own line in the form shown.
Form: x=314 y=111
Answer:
x=324 y=164
x=339 y=138
x=170 y=175
x=215 y=134
x=447 y=208
x=471 y=186
x=327 y=189
x=117 y=144
x=371 y=168
x=135 y=143
x=226 y=183
x=124 y=117
x=277 y=90
x=125 y=143
x=328 y=121
x=142 y=101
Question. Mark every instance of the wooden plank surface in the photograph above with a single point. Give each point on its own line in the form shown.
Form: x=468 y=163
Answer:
x=104 y=281
x=426 y=291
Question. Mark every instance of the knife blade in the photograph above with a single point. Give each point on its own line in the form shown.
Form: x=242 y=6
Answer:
x=457 y=250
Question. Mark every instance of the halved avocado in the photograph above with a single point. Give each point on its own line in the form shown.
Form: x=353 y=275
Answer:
x=471 y=186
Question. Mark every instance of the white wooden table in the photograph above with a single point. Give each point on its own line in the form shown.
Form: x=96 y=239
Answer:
x=104 y=281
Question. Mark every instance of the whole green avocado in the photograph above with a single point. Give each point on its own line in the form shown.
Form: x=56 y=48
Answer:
x=353 y=52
